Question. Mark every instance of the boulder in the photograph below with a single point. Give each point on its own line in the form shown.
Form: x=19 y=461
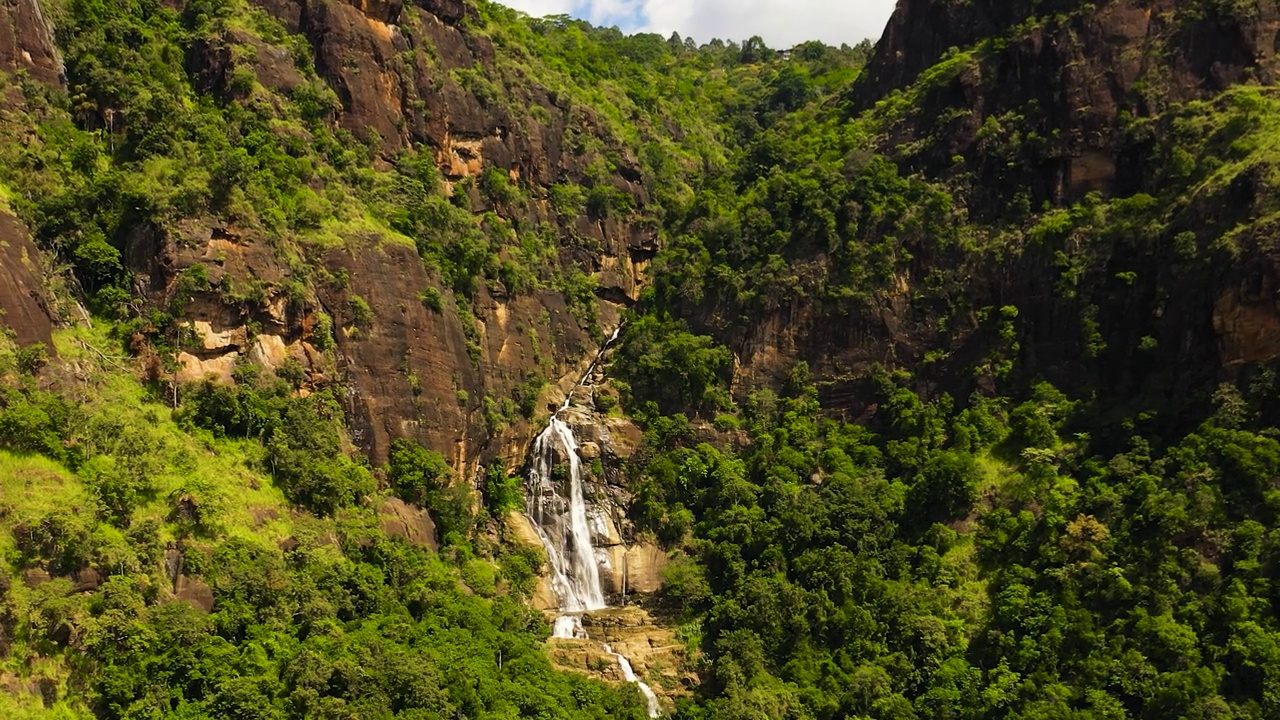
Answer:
x=398 y=518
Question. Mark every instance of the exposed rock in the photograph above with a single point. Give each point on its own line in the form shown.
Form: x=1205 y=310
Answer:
x=213 y=64
x=194 y=369
x=15 y=686
x=386 y=11
x=522 y=529
x=87 y=579
x=23 y=305
x=1247 y=321
x=26 y=42
x=194 y=591
x=624 y=437
x=655 y=654
x=271 y=352
x=210 y=339
x=173 y=564
x=400 y=519
x=450 y=11
x=35 y=577
x=636 y=569
x=1071 y=75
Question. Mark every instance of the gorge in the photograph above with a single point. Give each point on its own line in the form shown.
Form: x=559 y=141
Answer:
x=944 y=382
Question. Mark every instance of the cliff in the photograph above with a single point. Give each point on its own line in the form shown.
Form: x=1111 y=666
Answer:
x=24 y=307
x=1028 y=130
x=443 y=372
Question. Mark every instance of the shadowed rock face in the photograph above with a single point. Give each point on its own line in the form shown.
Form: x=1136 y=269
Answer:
x=26 y=47
x=1071 y=72
x=1072 y=77
x=26 y=42
x=23 y=306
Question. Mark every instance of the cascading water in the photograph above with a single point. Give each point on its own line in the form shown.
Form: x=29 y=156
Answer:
x=563 y=522
x=630 y=676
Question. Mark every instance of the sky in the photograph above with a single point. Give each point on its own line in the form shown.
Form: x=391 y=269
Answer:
x=782 y=23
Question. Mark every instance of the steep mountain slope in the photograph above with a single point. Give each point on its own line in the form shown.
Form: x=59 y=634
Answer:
x=1032 y=257
x=1069 y=163
x=311 y=238
x=946 y=388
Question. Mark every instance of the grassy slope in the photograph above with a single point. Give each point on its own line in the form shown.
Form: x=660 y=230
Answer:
x=241 y=501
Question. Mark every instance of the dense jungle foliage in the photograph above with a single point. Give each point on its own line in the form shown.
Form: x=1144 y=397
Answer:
x=1014 y=550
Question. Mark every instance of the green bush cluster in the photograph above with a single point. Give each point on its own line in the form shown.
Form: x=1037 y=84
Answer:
x=301 y=437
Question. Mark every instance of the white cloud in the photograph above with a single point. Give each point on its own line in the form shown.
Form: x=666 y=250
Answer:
x=782 y=23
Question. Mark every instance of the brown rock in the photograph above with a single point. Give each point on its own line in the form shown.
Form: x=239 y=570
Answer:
x=35 y=577
x=220 y=367
x=638 y=566
x=87 y=579
x=624 y=437
x=355 y=54
x=26 y=41
x=1248 y=323
x=400 y=519
x=213 y=62
x=194 y=591
x=387 y=11
x=24 y=307
x=450 y=11
x=652 y=649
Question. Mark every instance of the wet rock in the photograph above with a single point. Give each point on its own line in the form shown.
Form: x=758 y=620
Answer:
x=655 y=655
x=636 y=569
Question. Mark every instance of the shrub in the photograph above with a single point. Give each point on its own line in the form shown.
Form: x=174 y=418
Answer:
x=31 y=359
x=502 y=491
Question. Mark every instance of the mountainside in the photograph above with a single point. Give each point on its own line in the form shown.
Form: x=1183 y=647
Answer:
x=944 y=382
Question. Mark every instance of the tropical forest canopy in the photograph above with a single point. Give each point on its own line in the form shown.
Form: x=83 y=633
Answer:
x=1045 y=500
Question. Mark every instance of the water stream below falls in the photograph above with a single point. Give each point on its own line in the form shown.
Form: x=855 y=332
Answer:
x=558 y=507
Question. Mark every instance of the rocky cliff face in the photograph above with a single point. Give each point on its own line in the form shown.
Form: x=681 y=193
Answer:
x=24 y=307
x=26 y=49
x=412 y=371
x=1074 y=74
x=26 y=42
x=1035 y=106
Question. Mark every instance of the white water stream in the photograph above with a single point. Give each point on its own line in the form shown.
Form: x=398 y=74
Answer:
x=561 y=516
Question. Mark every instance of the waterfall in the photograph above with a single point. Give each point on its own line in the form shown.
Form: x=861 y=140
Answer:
x=563 y=522
x=630 y=676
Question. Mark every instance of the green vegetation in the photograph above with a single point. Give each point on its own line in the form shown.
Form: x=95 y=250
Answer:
x=132 y=508
x=980 y=543
x=976 y=561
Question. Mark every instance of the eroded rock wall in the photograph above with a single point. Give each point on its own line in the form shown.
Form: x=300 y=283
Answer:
x=411 y=371
x=24 y=304
x=26 y=42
